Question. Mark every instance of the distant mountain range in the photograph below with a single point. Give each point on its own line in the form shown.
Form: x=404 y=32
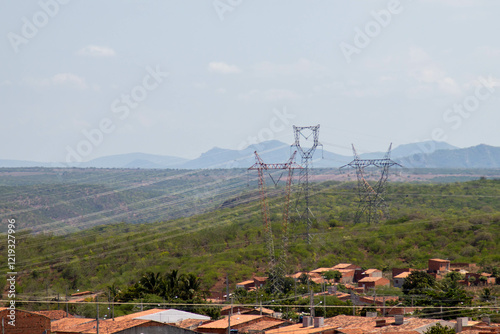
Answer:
x=429 y=154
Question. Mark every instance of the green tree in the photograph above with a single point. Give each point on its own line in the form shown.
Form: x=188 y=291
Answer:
x=419 y=288
x=152 y=283
x=190 y=286
x=486 y=295
x=454 y=276
x=333 y=274
x=418 y=282
x=440 y=329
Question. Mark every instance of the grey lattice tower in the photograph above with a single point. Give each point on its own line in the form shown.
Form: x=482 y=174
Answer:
x=371 y=200
x=277 y=264
x=306 y=154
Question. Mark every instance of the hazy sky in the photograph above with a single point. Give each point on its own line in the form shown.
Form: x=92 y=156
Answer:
x=83 y=79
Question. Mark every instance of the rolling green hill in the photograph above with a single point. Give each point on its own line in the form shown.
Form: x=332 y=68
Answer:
x=67 y=200
x=457 y=221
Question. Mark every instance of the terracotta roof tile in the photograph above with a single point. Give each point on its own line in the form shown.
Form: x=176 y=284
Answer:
x=262 y=325
x=190 y=323
x=321 y=270
x=55 y=314
x=370 y=279
x=370 y=271
x=235 y=320
x=67 y=324
x=105 y=326
x=341 y=266
x=403 y=275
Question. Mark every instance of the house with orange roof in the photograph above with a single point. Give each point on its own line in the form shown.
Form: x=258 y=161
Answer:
x=372 y=273
x=399 y=280
x=109 y=326
x=243 y=323
x=119 y=325
x=397 y=271
x=320 y=271
x=19 y=321
x=438 y=267
x=479 y=279
x=226 y=310
x=259 y=282
x=55 y=314
x=371 y=282
x=347 y=275
x=345 y=266
x=359 y=325
x=246 y=285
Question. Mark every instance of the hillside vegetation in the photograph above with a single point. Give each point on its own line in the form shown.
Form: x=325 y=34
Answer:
x=457 y=221
x=64 y=200
x=67 y=200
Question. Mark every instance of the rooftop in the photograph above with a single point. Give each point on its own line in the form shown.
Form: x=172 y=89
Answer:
x=139 y=314
x=89 y=326
x=54 y=314
x=67 y=324
x=236 y=319
x=341 y=266
x=370 y=279
x=83 y=293
x=403 y=275
x=171 y=316
x=371 y=271
x=321 y=270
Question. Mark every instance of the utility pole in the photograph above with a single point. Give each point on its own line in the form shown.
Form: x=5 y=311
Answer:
x=227 y=287
x=229 y=318
x=295 y=281
x=324 y=303
x=383 y=301
x=312 y=303
x=97 y=316
x=67 y=307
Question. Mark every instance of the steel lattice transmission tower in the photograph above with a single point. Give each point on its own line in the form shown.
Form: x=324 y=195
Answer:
x=306 y=155
x=277 y=264
x=371 y=200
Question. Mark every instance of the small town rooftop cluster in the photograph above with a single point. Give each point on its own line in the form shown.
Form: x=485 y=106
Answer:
x=355 y=279
x=171 y=321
